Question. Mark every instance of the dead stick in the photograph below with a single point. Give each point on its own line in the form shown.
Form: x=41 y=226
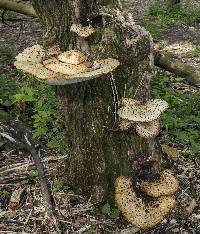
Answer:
x=22 y=8
x=167 y=62
x=23 y=167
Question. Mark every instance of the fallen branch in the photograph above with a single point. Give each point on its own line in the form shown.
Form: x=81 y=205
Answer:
x=167 y=62
x=24 y=167
x=26 y=9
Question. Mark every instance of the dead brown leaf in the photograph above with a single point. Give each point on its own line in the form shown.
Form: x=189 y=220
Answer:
x=191 y=206
x=16 y=198
x=170 y=151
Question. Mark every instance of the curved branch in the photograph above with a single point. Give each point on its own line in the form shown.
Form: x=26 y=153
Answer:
x=26 y=9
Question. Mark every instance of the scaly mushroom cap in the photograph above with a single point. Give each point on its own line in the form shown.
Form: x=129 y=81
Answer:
x=148 y=130
x=72 y=57
x=136 y=111
x=31 y=54
x=32 y=60
x=166 y=185
x=125 y=124
x=82 y=31
x=135 y=210
x=65 y=68
x=54 y=50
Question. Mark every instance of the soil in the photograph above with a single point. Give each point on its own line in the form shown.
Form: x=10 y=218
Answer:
x=76 y=213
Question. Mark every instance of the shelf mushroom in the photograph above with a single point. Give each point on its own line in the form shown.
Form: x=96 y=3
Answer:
x=165 y=186
x=145 y=116
x=148 y=129
x=139 y=213
x=82 y=31
x=51 y=70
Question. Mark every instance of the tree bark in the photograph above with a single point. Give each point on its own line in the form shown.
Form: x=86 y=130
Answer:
x=99 y=150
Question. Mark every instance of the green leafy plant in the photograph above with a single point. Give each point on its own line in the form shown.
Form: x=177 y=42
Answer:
x=5 y=194
x=108 y=210
x=33 y=102
x=43 y=111
x=59 y=185
x=182 y=119
x=161 y=18
x=33 y=174
x=157 y=9
x=195 y=53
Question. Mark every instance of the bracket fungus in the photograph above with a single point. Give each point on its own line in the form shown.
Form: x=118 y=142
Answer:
x=149 y=129
x=74 y=57
x=82 y=31
x=165 y=186
x=136 y=111
x=135 y=210
x=49 y=69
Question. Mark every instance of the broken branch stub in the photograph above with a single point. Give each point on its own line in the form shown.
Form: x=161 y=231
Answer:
x=33 y=61
x=135 y=210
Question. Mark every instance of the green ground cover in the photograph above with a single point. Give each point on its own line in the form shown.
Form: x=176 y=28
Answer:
x=161 y=18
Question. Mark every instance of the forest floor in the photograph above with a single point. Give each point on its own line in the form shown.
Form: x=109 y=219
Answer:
x=21 y=209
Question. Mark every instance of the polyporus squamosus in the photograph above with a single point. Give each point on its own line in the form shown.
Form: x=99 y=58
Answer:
x=136 y=111
x=74 y=57
x=82 y=31
x=149 y=129
x=38 y=62
x=165 y=186
x=31 y=54
x=135 y=210
x=65 y=68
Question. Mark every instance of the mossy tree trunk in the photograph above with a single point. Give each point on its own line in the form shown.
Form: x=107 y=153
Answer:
x=99 y=151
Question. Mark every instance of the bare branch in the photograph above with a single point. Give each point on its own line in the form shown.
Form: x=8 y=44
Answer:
x=26 y=9
x=168 y=63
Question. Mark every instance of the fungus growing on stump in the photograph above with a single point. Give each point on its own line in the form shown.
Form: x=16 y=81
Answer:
x=136 y=111
x=148 y=129
x=139 y=213
x=98 y=153
x=52 y=71
x=82 y=31
x=166 y=185
x=145 y=116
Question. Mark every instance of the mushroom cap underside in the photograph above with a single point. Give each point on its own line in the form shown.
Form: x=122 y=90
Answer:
x=136 y=212
x=148 y=129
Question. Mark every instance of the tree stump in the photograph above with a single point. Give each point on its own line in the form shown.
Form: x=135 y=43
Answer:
x=99 y=150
